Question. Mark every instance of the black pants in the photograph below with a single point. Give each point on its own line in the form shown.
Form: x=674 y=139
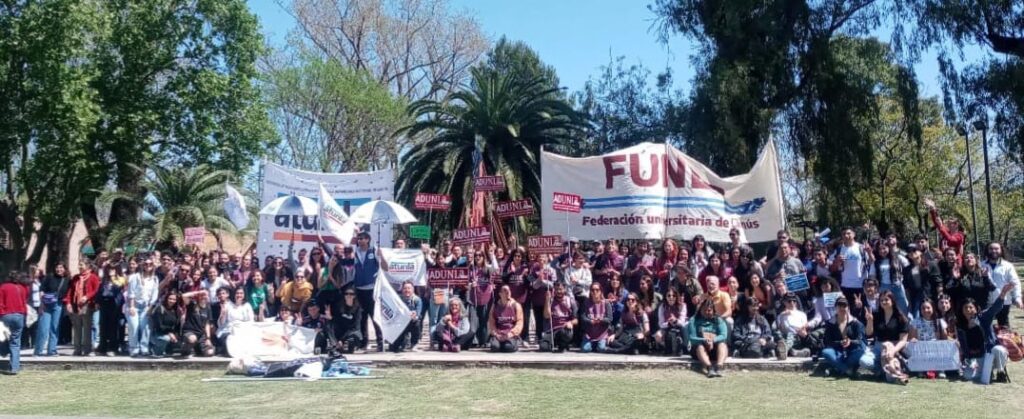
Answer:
x=1003 y=316
x=559 y=342
x=483 y=314
x=537 y=311
x=674 y=341
x=110 y=316
x=365 y=298
x=511 y=345
x=625 y=342
x=409 y=337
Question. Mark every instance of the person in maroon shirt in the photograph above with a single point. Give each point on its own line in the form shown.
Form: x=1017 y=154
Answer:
x=952 y=235
x=14 y=292
x=80 y=302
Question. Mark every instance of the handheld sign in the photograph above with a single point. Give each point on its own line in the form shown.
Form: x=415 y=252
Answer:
x=551 y=245
x=195 y=235
x=935 y=355
x=472 y=235
x=830 y=298
x=509 y=209
x=419 y=231
x=430 y=201
x=797 y=282
x=488 y=184
x=447 y=277
x=566 y=202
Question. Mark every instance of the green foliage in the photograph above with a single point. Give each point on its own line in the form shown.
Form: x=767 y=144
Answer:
x=512 y=118
x=517 y=59
x=334 y=118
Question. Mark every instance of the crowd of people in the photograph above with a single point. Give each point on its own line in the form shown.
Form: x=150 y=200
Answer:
x=668 y=298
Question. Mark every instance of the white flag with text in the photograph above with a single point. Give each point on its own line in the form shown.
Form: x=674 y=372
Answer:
x=389 y=312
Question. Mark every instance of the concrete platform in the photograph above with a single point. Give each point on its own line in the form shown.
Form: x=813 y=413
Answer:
x=476 y=358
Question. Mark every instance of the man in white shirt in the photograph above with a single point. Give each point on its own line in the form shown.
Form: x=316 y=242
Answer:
x=848 y=261
x=1002 y=272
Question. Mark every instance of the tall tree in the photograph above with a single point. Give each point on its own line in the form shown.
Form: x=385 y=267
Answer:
x=418 y=48
x=334 y=118
x=507 y=118
x=517 y=59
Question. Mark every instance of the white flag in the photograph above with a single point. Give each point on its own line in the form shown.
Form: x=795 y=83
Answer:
x=388 y=310
x=333 y=218
x=405 y=265
x=234 y=207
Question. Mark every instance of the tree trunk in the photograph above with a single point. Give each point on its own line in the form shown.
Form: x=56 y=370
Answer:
x=129 y=180
x=58 y=245
x=97 y=234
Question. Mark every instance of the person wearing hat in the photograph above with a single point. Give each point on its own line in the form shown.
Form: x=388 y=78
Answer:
x=792 y=334
x=844 y=342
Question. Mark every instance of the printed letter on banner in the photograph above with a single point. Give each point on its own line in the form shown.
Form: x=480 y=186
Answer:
x=566 y=202
x=430 y=201
x=509 y=209
x=551 y=245
x=489 y=184
x=472 y=235
x=447 y=277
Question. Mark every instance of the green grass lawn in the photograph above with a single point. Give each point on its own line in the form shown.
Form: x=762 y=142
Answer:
x=504 y=393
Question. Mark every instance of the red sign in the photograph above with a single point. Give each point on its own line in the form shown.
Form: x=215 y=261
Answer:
x=509 y=209
x=551 y=245
x=472 y=235
x=489 y=184
x=567 y=202
x=447 y=277
x=431 y=201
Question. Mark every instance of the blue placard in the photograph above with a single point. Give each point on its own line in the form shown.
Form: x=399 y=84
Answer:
x=797 y=282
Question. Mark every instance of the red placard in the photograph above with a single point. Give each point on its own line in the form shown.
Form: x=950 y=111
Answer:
x=432 y=201
x=472 y=235
x=489 y=184
x=567 y=202
x=509 y=209
x=447 y=277
x=551 y=245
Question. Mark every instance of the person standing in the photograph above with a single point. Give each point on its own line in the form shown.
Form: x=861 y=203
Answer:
x=952 y=235
x=14 y=292
x=848 y=262
x=80 y=304
x=141 y=295
x=366 y=267
x=1002 y=272
x=53 y=290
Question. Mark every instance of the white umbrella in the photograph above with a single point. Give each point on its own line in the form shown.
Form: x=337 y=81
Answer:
x=291 y=205
x=381 y=212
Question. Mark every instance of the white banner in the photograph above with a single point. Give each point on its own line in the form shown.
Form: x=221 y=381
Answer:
x=388 y=310
x=269 y=339
x=934 y=355
x=349 y=190
x=234 y=206
x=654 y=191
x=405 y=265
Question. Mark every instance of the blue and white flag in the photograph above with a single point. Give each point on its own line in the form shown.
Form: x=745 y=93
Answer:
x=333 y=218
x=234 y=207
x=389 y=311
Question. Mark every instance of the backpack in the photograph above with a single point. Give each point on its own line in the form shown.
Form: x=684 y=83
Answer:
x=1012 y=342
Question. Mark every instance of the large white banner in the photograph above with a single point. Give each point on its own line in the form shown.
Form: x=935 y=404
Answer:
x=270 y=340
x=405 y=265
x=349 y=190
x=654 y=191
x=389 y=311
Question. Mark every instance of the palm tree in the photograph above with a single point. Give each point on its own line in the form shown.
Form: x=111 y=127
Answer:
x=509 y=120
x=175 y=199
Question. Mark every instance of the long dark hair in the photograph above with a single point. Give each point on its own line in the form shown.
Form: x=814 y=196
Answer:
x=707 y=302
x=895 y=307
x=822 y=281
x=510 y=259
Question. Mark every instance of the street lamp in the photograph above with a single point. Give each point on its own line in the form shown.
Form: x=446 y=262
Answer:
x=970 y=186
x=982 y=125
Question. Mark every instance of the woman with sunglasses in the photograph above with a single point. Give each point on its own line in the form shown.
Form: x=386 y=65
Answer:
x=346 y=322
x=506 y=322
x=481 y=292
x=560 y=312
x=141 y=294
x=891 y=330
x=515 y=276
x=294 y=294
x=633 y=329
x=595 y=319
x=707 y=333
x=671 y=333
x=844 y=341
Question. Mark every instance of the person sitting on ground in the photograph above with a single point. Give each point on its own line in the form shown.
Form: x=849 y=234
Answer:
x=866 y=302
x=928 y=326
x=294 y=294
x=890 y=328
x=411 y=335
x=616 y=296
x=165 y=325
x=792 y=336
x=633 y=329
x=707 y=332
x=752 y=334
x=977 y=339
x=844 y=341
x=721 y=299
x=232 y=313
x=595 y=319
x=506 y=322
x=346 y=322
x=321 y=323
x=671 y=333
x=560 y=313
x=197 y=329
x=453 y=332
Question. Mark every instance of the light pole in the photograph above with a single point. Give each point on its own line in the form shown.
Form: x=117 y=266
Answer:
x=982 y=125
x=970 y=186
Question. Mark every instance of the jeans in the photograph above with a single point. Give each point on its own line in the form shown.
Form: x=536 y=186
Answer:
x=589 y=345
x=974 y=367
x=872 y=359
x=160 y=344
x=437 y=311
x=843 y=362
x=138 y=330
x=47 y=328
x=901 y=297
x=95 y=328
x=16 y=323
x=81 y=331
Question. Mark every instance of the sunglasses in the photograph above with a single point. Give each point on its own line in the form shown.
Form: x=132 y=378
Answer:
x=350 y=294
x=631 y=299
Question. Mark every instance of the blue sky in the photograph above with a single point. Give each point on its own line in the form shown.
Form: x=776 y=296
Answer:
x=585 y=35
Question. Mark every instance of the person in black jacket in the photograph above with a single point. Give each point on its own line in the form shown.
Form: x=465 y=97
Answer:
x=752 y=334
x=346 y=322
x=844 y=341
x=165 y=325
x=970 y=281
x=921 y=280
x=51 y=293
x=977 y=339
